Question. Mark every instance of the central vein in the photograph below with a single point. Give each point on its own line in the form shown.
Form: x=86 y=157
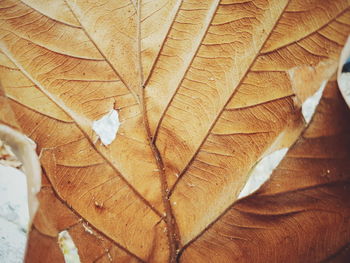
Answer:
x=172 y=233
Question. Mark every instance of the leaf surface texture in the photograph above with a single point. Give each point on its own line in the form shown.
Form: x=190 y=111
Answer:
x=203 y=90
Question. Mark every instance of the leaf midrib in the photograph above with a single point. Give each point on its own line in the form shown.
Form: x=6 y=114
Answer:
x=170 y=220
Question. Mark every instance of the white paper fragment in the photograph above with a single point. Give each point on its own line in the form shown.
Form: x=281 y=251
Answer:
x=13 y=197
x=310 y=104
x=107 y=127
x=14 y=214
x=24 y=150
x=68 y=248
x=262 y=172
x=12 y=242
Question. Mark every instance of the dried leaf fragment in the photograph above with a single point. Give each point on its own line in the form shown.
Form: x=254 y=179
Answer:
x=303 y=210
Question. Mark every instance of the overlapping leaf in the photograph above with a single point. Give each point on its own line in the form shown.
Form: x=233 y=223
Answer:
x=203 y=89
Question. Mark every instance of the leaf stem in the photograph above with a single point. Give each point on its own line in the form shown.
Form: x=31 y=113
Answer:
x=173 y=236
x=172 y=232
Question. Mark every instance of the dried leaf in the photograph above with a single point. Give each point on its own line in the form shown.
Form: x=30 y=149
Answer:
x=302 y=213
x=203 y=90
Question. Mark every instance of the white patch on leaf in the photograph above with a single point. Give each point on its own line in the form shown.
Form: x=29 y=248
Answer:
x=344 y=85
x=68 y=248
x=107 y=127
x=262 y=172
x=310 y=104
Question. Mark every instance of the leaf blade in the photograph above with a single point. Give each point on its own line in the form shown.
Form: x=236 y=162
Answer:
x=287 y=208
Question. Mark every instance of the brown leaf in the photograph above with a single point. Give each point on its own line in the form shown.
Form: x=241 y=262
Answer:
x=53 y=217
x=302 y=213
x=42 y=248
x=202 y=91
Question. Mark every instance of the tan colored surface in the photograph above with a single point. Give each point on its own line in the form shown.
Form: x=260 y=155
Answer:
x=302 y=213
x=203 y=89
